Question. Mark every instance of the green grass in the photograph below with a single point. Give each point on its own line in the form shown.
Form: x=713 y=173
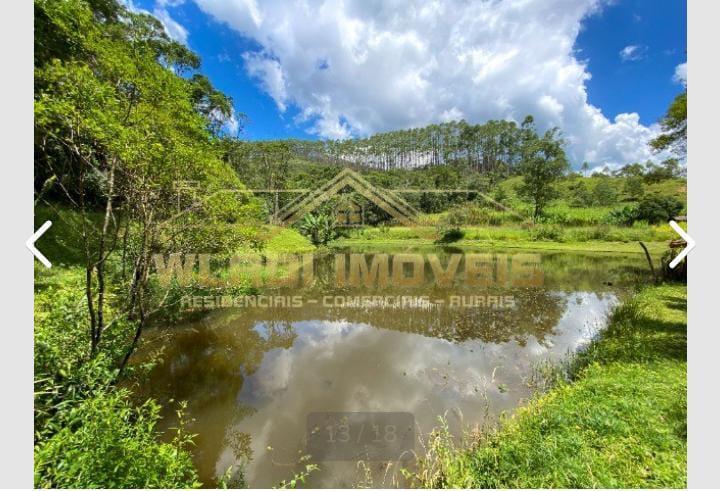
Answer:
x=603 y=238
x=563 y=214
x=655 y=248
x=620 y=422
x=670 y=187
x=286 y=240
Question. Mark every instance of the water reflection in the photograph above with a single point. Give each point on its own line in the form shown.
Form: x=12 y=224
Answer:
x=251 y=376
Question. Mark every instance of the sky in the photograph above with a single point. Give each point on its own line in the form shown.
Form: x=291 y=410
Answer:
x=603 y=71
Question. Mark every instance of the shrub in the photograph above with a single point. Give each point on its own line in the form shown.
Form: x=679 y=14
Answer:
x=106 y=442
x=548 y=232
x=450 y=235
x=658 y=209
x=556 y=216
x=604 y=193
x=475 y=216
x=652 y=209
x=599 y=232
x=497 y=219
x=88 y=433
x=634 y=188
x=320 y=229
x=623 y=216
x=580 y=196
x=500 y=195
x=455 y=218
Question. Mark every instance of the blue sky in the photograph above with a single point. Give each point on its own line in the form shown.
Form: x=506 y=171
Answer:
x=644 y=86
x=351 y=69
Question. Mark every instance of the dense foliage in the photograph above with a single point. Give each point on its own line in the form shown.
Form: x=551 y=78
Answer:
x=535 y=175
x=651 y=209
x=121 y=119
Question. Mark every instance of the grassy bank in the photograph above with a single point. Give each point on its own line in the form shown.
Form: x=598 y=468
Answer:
x=589 y=238
x=655 y=248
x=621 y=420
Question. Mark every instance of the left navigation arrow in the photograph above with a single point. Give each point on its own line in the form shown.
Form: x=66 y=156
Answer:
x=31 y=244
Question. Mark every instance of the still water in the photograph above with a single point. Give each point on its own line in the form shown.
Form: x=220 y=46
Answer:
x=252 y=375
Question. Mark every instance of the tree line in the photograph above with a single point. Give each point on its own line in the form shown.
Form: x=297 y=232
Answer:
x=495 y=146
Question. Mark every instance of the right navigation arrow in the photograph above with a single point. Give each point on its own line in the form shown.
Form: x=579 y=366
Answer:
x=688 y=240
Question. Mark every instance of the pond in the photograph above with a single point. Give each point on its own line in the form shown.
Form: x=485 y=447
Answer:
x=465 y=350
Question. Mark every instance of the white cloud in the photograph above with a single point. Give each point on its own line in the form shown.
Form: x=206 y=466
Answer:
x=270 y=74
x=680 y=75
x=356 y=67
x=231 y=125
x=174 y=29
x=633 y=53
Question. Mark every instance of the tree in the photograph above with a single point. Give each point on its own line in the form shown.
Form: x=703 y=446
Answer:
x=543 y=163
x=674 y=127
x=585 y=168
x=117 y=128
x=634 y=188
x=668 y=169
x=580 y=196
x=630 y=170
x=215 y=106
x=262 y=165
x=604 y=193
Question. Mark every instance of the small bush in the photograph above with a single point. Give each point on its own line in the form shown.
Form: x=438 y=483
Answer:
x=320 y=228
x=623 y=216
x=500 y=195
x=553 y=233
x=467 y=216
x=450 y=235
x=652 y=209
x=106 y=442
x=580 y=196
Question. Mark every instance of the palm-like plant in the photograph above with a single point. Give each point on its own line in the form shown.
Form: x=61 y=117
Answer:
x=319 y=228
